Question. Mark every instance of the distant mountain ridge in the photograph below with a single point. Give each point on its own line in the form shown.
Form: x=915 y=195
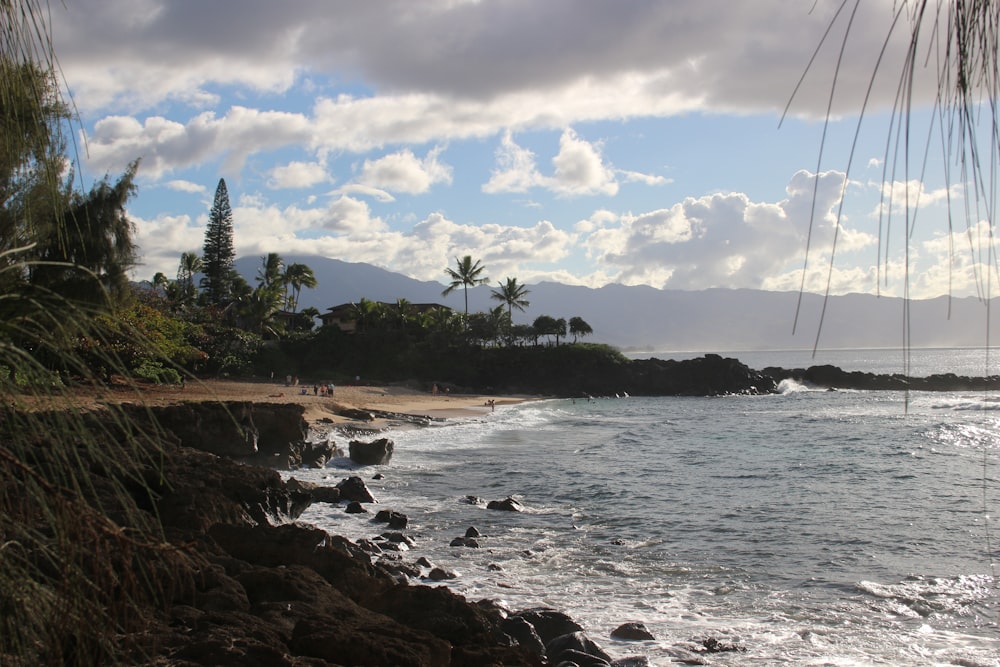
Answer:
x=645 y=318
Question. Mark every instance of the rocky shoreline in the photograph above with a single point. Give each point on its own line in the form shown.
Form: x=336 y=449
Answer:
x=234 y=579
x=251 y=586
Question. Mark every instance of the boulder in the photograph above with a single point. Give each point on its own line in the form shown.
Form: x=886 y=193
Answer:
x=396 y=520
x=441 y=574
x=508 y=504
x=354 y=489
x=570 y=647
x=378 y=452
x=470 y=542
x=354 y=507
x=548 y=623
x=315 y=454
x=632 y=632
x=523 y=632
x=318 y=493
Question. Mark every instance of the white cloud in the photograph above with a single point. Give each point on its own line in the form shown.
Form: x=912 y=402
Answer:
x=298 y=175
x=516 y=170
x=165 y=145
x=186 y=186
x=645 y=179
x=405 y=172
x=708 y=54
x=723 y=239
x=720 y=240
x=578 y=169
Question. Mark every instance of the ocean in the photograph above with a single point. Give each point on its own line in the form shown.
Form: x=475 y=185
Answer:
x=804 y=528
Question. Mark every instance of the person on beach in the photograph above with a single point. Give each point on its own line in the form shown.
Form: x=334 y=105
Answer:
x=434 y=390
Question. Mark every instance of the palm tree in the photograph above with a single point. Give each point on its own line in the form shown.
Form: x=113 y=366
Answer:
x=269 y=273
x=190 y=265
x=465 y=274
x=258 y=309
x=298 y=276
x=512 y=294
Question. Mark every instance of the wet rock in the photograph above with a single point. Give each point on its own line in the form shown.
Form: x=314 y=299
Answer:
x=441 y=574
x=632 y=661
x=354 y=507
x=569 y=648
x=548 y=623
x=396 y=520
x=354 y=488
x=471 y=531
x=377 y=452
x=397 y=538
x=319 y=494
x=469 y=542
x=508 y=504
x=523 y=632
x=713 y=645
x=631 y=632
x=360 y=415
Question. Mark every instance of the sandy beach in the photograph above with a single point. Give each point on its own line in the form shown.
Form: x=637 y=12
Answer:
x=382 y=398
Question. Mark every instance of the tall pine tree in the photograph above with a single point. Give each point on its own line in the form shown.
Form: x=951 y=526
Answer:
x=218 y=254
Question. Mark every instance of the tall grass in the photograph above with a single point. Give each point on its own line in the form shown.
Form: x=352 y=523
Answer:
x=78 y=546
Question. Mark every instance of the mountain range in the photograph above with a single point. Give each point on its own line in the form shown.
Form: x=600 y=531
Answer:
x=646 y=319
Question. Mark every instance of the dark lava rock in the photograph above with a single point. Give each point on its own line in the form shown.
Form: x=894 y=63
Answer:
x=319 y=494
x=378 y=452
x=470 y=542
x=354 y=507
x=570 y=646
x=440 y=574
x=354 y=488
x=632 y=631
x=506 y=505
x=548 y=623
x=396 y=520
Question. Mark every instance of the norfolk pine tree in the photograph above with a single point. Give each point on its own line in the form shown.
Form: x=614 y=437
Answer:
x=218 y=254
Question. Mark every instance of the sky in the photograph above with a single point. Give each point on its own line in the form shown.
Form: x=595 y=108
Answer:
x=586 y=142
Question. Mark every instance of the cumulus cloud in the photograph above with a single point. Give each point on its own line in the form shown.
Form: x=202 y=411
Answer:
x=718 y=240
x=165 y=145
x=578 y=169
x=721 y=239
x=186 y=186
x=405 y=172
x=297 y=175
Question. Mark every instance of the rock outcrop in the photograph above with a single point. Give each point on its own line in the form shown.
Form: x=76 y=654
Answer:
x=377 y=452
x=832 y=377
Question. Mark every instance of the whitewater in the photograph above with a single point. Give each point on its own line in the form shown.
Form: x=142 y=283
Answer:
x=805 y=528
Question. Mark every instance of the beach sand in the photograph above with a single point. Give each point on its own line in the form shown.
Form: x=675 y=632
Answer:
x=383 y=398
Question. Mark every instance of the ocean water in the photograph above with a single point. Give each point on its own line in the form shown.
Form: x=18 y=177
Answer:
x=806 y=528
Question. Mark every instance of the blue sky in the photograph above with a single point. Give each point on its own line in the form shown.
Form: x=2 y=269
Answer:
x=580 y=141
